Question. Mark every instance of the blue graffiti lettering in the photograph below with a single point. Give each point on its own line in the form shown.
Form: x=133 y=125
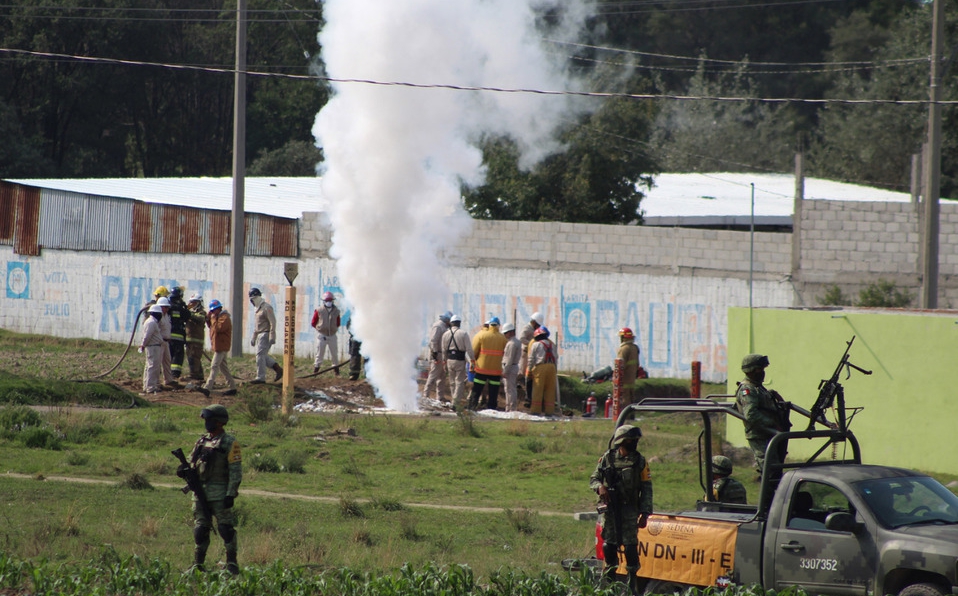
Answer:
x=112 y=299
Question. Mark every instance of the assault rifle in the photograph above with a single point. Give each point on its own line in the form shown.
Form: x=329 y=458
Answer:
x=829 y=389
x=193 y=483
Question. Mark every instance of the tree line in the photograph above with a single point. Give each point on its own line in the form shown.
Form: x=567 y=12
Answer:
x=786 y=71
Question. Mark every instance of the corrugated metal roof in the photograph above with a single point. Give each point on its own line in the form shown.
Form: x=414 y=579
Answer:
x=281 y=196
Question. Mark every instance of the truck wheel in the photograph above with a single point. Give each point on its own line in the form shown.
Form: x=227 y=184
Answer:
x=922 y=590
x=667 y=588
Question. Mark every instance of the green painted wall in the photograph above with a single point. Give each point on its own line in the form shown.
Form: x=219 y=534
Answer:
x=908 y=419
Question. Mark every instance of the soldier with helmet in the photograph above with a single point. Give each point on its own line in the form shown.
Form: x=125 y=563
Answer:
x=542 y=371
x=326 y=323
x=152 y=346
x=726 y=489
x=765 y=412
x=221 y=341
x=264 y=336
x=195 y=336
x=629 y=355
x=217 y=459
x=179 y=316
x=624 y=484
x=457 y=350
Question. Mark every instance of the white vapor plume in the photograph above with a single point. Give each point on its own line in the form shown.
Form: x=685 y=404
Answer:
x=395 y=156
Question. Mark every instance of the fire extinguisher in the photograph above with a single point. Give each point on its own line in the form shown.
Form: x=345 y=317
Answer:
x=590 y=404
x=608 y=406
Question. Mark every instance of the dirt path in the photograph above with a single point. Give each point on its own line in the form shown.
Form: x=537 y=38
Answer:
x=274 y=495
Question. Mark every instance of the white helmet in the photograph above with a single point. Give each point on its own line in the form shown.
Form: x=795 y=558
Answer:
x=156 y=308
x=163 y=301
x=537 y=317
x=196 y=297
x=508 y=327
x=455 y=319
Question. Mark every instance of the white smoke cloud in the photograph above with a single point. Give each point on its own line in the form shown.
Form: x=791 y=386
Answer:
x=394 y=156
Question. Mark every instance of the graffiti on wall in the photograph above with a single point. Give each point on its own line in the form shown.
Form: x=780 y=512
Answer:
x=671 y=335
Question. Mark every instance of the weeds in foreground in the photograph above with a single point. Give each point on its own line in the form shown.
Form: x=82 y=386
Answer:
x=467 y=424
x=522 y=520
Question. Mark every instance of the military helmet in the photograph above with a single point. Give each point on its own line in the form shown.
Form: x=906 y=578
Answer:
x=624 y=433
x=721 y=465
x=754 y=362
x=215 y=412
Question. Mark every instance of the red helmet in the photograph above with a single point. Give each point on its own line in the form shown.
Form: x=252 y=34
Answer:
x=626 y=333
x=541 y=332
x=328 y=296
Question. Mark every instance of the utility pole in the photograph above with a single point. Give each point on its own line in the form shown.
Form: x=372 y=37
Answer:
x=929 y=249
x=238 y=227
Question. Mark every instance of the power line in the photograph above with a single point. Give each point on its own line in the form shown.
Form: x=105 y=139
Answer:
x=452 y=87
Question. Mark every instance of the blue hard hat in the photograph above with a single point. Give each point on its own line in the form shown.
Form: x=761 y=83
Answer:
x=214 y=304
x=494 y=321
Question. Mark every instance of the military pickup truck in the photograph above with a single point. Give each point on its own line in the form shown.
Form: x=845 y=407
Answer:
x=834 y=526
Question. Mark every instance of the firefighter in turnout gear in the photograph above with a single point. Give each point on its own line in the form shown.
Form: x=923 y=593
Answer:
x=179 y=317
x=217 y=459
x=624 y=484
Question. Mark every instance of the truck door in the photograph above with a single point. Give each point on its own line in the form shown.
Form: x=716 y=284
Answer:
x=819 y=560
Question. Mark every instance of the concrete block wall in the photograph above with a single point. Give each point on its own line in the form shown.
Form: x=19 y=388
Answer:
x=594 y=247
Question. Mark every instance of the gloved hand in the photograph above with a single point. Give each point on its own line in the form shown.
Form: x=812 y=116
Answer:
x=181 y=470
x=140 y=349
x=643 y=520
x=228 y=502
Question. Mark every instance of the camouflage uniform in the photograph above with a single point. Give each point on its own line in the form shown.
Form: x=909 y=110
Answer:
x=628 y=482
x=765 y=411
x=724 y=488
x=196 y=338
x=219 y=463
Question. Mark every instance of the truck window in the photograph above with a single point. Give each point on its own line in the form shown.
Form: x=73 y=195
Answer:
x=906 y=501
x=812 y=502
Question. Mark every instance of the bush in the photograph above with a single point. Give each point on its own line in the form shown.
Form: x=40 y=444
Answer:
x=264 y=463
x=36 y=437
x=258 y=406
x=15 y=418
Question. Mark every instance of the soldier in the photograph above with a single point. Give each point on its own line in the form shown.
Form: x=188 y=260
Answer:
x=525 y=338
x=542 y=371
x=624 y=484
x=487 y=347
x=437 y=375
x=221 y=339
x=457 y=348
x=629 y=355
x=765 y=412
x=179 y=316
x=726 y=489
x=510 y=367
x=326 y=323
x=218 y=462
x=264 y=336
x=152 y=345
x=195 y=336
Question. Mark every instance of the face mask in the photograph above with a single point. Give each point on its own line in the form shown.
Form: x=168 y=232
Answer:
x=255 y=300
x=328 y=303
x=757 y=376
x=210 y=424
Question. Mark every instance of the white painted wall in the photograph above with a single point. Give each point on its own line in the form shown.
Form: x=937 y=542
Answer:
x=676 y=319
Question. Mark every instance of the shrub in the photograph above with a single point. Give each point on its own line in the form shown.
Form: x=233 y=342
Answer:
x=264 y=463
x=294 y=461
x=258 y=406
x=13 y=419
x=40 y=438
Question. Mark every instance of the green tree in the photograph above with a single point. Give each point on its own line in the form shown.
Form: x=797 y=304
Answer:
x=295 y=158
x=706 y=136
x=595 y=179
